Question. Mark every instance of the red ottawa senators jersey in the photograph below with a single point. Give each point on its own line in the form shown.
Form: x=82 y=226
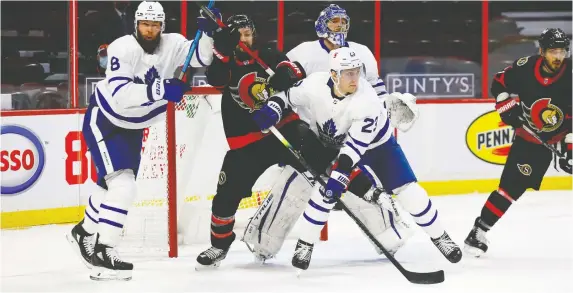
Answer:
x=545 y=100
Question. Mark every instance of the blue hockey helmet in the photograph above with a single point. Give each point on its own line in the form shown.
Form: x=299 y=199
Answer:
x=321 y=25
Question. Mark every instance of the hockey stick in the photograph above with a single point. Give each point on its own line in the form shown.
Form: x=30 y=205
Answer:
x=245 y=48
x=193 y=46
x=414 y=277
x=550 y=147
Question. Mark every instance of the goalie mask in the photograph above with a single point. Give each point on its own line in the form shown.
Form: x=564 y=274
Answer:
x=149 y=11
x=335 y=15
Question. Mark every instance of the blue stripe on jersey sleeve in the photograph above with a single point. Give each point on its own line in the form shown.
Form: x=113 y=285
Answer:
x=117 y=88
x=382 y=132
x=362 y=144
x=353 y=148
x=198 y=56
x=116 y=78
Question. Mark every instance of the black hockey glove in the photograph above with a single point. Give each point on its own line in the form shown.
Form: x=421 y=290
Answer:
x=287 y=73
x=225 y=42
x=509 y=110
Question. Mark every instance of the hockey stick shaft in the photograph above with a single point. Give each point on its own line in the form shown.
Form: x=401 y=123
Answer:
x=193 y=46
x=550 y=147
x=245 y=48
x=418 y=278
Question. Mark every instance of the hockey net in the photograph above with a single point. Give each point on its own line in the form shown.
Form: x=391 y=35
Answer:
x=178 y=177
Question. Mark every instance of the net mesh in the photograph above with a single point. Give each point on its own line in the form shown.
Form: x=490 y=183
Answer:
x=199 y=151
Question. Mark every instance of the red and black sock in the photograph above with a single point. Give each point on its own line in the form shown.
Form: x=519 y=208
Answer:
x=496 y=205
x=222 y=231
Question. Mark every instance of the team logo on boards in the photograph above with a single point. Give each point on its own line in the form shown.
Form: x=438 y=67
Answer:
x=489 y=139
x=542 y=115
x=525 y=169
x=22 y=159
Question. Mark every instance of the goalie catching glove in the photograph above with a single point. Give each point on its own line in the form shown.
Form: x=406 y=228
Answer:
x=402 y=110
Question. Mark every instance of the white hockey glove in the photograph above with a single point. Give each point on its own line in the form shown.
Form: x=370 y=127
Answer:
x=379 y=196
x=564 y=148
x=402 y=109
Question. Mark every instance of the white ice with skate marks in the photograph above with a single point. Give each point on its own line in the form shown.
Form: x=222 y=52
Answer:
x=530 y=251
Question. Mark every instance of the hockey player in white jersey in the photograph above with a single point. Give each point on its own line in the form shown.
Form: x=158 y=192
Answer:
x=134 y=95
x=346 y=105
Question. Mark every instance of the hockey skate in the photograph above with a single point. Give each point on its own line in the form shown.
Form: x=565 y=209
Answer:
x=108 y=266
x=302 y=255
x=82 y=243
x=476 y=243
x=211 y=258
x=448 y=248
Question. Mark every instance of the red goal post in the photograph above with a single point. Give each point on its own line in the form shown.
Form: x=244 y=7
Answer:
x=189 y=106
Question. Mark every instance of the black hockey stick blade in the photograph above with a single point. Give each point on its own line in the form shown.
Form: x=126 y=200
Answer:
x=414 y=277
x=425 y=278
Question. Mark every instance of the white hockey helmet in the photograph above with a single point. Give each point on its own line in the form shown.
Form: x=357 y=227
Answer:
x=344 y=58
x=152 y=11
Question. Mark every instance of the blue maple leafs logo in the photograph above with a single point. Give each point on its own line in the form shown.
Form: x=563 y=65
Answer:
x=328 y=135
x=150 y=75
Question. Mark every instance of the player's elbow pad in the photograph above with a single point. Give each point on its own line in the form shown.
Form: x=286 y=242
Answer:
x=497 y=87
x=287 y=73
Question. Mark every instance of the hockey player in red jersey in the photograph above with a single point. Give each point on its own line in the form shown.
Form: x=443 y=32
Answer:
x=543 y=86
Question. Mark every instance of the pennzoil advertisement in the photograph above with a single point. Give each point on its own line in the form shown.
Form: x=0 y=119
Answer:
x=489 y=139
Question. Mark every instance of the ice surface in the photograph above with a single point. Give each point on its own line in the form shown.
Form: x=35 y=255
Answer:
x=531 y=250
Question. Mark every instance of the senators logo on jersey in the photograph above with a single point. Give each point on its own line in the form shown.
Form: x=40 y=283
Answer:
x=543 y=116
x=253 y=92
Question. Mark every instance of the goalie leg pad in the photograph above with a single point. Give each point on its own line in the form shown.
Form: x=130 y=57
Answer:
x=385 y=225
x=276 y=216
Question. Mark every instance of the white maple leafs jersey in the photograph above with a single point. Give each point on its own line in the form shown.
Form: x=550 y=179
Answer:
x=314 y=57
x=122 y=96
x=354 y=124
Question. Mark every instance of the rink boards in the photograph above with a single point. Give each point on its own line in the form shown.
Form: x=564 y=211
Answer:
x=47 y=174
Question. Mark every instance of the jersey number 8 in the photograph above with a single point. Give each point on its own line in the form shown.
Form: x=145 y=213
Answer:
x=114 y=63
